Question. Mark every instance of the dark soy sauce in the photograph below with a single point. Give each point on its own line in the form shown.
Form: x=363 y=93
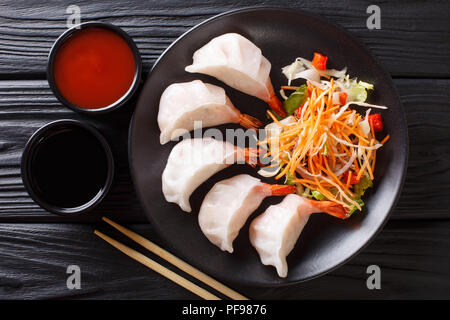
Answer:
x=69 y=168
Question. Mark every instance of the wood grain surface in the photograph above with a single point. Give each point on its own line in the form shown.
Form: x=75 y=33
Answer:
x=412 y=41
x=414 y=258
x=36 y=247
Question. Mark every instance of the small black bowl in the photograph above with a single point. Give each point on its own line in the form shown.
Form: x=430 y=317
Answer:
x=35 y=143
x=70 y=32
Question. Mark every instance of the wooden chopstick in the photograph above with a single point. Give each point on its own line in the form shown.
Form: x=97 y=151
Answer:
x=155 y=266
x=194 y=272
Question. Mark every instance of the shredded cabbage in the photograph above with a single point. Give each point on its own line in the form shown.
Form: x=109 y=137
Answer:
x=346 y=166
x=357 y=93
x=269 y=172
x=357 y=90
x=364 y=125
x=273 y=130
x=366 y=85
x=303 y=69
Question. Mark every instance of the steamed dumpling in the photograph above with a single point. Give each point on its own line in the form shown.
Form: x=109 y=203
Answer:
x=275 y=232
x=235 y=60
x=229 y=203
x=193 y=161
x=182 y=104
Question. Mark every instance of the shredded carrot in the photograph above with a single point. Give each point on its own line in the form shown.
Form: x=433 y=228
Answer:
x=275 y=119
x=305 y=181
x=349 y=176
x=366 y=159
x=373 y=160
x=366 y=162
x=324 y=126
x=371 y=130
x=385 y=139
x=289 y=88
x=333 y=176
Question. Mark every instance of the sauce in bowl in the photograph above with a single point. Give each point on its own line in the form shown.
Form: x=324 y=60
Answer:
x=94 y=68
x=67 y=167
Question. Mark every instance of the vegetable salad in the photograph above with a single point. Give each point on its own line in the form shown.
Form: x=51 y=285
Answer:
x=323 y=146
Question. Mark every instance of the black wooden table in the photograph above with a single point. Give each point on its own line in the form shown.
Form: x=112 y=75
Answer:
x=36 y=247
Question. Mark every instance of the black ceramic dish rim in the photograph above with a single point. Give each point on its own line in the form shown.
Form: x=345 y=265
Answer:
x=66 y=35
x=283 y=282
x=33 y=144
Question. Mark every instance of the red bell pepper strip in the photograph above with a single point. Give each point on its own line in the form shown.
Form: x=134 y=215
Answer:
x=342 y=98
x=375 y=122
x=353 y=177
x=299 y=110
x=319 y=61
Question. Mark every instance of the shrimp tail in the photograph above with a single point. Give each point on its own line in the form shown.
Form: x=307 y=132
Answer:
x=331 y=208
x=249 y=122
x=280 y=189
x=251 y=156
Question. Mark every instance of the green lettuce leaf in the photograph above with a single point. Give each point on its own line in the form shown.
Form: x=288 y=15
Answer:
x=358 y=90
x=361 y=187
x=355 y=208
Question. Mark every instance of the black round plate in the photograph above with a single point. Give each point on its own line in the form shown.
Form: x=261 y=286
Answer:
x=326 y=242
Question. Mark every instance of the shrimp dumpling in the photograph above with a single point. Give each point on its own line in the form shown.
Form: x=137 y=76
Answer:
x=228 y=205
x=193 y=161
x=182 y=104
x=275 y=232
x=238 y=62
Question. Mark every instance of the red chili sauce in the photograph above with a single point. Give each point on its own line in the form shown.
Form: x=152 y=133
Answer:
x=94 y=68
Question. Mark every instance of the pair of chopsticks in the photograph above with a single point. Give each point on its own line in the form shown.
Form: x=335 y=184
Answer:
x=180 y=264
